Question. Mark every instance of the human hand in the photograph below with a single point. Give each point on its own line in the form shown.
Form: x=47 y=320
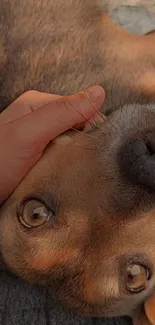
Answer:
x=31 y=122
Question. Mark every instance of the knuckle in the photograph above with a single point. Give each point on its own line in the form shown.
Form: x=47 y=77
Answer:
x=31 y=93
x=65 y=104
x=27 y=95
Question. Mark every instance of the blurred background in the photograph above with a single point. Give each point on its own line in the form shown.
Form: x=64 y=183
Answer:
x=136 y=16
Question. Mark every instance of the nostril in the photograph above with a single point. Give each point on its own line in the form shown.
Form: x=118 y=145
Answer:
x=150 y=145
x=137 y=161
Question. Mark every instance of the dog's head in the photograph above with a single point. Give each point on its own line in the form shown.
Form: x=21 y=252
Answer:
x=83 y=220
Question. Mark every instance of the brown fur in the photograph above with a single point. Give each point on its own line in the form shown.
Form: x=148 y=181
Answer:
x=104 y=210
x=68 y=38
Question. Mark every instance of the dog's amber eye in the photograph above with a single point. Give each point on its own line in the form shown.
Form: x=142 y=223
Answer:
x=136 y=278
x=34 y=214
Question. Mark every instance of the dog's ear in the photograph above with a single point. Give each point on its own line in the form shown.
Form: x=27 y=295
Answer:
x=149 y=308
x=146 y=315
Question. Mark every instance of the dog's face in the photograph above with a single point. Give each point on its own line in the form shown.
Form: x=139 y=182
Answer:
x=82 y=221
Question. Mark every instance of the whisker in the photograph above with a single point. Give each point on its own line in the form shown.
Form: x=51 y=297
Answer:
x=79 y=147
x=98 y=112
x=113 y=83
x=89 y=136
x=86 y=120
x=69 y=126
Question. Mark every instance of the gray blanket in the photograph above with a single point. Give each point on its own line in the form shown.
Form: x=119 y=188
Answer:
x=22 y=304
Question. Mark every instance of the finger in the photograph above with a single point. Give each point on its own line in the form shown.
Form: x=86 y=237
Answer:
x=25 y=139
x=25 y=104
x=46 y=123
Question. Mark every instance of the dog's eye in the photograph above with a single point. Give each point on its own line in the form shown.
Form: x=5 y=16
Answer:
x=136 y=278
x=34 y=214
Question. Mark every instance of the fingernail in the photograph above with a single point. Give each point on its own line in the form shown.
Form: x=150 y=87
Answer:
x=95 y=94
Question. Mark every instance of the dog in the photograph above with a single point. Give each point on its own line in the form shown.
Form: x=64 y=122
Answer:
x=82 y=220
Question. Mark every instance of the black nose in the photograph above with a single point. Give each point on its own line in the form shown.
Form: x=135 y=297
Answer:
x=138 y=161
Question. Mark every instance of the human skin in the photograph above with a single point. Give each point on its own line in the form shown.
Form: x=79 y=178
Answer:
x=31 y=122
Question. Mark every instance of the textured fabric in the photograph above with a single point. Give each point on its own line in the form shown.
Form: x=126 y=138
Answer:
x=137 y=20
x=22 y=304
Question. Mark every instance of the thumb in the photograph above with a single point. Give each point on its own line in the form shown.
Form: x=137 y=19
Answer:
x=23 y=140
x=44 y=124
